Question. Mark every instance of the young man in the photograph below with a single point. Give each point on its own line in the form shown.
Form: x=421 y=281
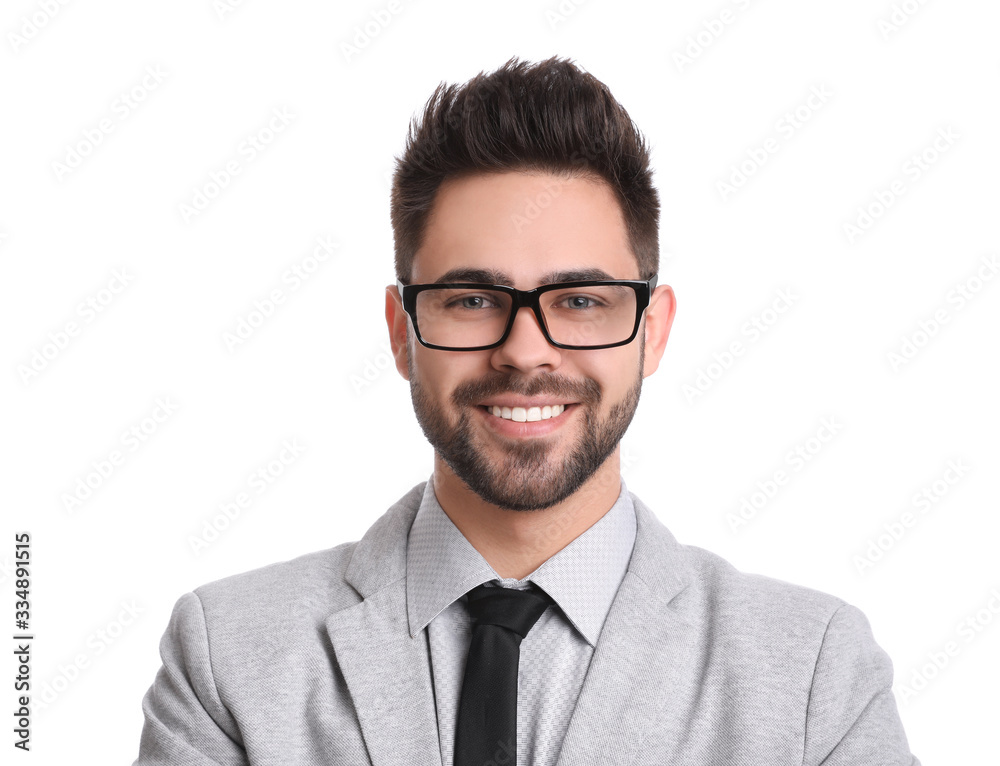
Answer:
x=521 y=606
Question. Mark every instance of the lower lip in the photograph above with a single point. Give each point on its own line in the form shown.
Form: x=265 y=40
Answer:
x=532 y=428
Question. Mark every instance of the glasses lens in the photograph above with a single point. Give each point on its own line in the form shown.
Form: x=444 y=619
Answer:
x=462 y=317
x=589 y=316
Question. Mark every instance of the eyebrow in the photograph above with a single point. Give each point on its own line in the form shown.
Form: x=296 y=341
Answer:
x=496 y=277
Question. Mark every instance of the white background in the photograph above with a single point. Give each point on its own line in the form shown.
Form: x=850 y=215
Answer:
x=315 y=370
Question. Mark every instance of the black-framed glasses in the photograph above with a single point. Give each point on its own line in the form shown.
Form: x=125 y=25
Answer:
x=464 y=316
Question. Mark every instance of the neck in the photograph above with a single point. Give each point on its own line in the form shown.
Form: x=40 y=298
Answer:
x=516 y=543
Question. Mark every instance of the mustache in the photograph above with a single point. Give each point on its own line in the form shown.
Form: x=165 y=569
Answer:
x=474 y=391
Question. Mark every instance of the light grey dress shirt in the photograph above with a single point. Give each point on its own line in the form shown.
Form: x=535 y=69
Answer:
x=582 y=578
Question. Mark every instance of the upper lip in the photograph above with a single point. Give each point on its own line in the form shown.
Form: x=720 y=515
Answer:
x=523 y=402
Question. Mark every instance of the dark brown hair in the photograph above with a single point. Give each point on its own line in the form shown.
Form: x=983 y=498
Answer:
x=549 y=116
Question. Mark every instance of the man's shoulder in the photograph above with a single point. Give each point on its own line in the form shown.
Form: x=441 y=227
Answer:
x=761 y=618
x=751 y=619
x=281 y=578
x=303 y=590
x=709 y=586
x=312 y=585
x=734 y=590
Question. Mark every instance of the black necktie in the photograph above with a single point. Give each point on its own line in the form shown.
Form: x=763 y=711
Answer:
x=486 y=731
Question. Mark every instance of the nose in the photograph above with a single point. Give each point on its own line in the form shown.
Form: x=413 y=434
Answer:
x=526 y=348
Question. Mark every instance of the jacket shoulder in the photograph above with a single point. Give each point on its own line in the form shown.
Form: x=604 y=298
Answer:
x=295 y=597
x=756 y=609
x=311 y=584
x=232 y=633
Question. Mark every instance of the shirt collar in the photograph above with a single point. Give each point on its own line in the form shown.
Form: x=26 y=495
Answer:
x=582 y=578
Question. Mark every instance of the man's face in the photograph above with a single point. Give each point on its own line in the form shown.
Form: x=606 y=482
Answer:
x=525 y=230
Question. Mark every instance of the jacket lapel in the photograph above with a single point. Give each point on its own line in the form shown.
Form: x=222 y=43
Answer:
x=387 y=672
x=641 y=675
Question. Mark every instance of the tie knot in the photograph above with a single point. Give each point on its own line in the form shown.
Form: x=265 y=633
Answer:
x=516 y=610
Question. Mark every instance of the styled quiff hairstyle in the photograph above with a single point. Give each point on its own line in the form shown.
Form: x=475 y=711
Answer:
x=550 y=116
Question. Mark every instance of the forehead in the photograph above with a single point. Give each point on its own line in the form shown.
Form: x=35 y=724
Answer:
x=524 y=229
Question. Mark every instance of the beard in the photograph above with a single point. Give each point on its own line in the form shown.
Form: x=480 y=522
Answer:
x=525 y=477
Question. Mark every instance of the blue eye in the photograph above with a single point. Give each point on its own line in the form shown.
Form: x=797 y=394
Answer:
x=580 y=302
x=472 y=302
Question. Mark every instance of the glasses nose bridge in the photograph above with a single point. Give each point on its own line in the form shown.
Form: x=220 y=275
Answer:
x=528 y=299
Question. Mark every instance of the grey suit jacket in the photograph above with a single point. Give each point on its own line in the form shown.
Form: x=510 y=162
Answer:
x=310 y=662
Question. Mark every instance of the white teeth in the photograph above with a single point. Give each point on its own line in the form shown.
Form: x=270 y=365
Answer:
x=529 y=414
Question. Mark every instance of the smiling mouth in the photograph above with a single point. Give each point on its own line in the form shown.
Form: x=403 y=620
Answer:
x=527 y=414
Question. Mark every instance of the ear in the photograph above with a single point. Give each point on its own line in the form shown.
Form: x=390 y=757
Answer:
x=397 y=319
x=659 y=319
